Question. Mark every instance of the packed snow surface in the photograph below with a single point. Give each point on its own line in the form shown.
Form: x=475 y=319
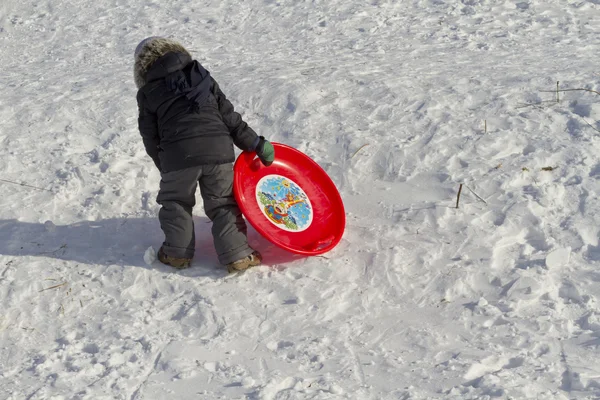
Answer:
x=400 y=102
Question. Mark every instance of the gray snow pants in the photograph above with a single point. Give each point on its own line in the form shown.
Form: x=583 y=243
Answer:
x=177 y=196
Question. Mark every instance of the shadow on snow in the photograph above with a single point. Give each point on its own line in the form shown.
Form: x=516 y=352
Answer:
x=121 y=241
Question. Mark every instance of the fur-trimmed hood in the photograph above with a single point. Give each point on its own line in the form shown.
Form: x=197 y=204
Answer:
x=149 y=51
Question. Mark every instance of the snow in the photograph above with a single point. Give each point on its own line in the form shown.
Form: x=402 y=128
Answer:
x=400 y=102
x=150 y=256
x=558 y=258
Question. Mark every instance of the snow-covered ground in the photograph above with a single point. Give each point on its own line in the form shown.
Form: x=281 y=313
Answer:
x=400 y=102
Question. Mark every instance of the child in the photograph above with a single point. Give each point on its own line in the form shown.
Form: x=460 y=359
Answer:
x=188 y=128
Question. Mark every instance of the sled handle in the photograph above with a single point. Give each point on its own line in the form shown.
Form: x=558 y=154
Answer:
x=252 y=160
x=320 y=243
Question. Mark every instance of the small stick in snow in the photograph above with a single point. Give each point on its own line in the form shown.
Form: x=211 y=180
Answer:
x=572 y=90
x=557 y=91
x=55 y=252
x=24 y=184
x=476 y=195
x=359 y=149
x=591 y=126
x=485 y=126
x=458 y=196
x=54 y=287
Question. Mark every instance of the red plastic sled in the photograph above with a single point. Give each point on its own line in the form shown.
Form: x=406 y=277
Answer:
x=293 y=203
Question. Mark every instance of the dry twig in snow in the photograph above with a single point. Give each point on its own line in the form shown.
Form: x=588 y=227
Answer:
x=458 y=195
x=359 y=149
x=54 y=287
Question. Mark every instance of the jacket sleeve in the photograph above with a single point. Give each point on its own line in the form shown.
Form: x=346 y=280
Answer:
x=148 y=126
x=243 y=136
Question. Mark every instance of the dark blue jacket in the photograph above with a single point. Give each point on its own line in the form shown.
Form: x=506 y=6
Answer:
x=185 y=119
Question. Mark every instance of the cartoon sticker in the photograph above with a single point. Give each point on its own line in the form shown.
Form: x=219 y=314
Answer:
x=284 y=203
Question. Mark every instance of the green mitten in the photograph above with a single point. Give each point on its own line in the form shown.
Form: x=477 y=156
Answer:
x=265 y=151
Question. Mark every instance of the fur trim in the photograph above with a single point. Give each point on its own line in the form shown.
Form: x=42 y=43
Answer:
x=150 y=52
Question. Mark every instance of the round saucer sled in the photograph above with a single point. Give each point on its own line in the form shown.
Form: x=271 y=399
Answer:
x=292 y=203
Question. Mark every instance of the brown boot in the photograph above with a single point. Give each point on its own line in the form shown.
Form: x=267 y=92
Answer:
x=179 y=263
x=252 y=260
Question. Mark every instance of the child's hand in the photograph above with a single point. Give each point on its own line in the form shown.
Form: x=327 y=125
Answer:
x=265 y=151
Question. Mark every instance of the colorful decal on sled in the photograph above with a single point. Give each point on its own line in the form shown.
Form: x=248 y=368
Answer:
x=284 y=203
